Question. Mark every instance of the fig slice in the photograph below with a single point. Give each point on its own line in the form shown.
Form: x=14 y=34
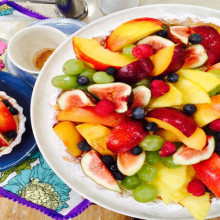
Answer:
x=196 y=56
x=117 y=93
x=95 y=169
x=156 y=42
x=188 y=156
x=179 y=34
x=129 y=164
x=75 y=98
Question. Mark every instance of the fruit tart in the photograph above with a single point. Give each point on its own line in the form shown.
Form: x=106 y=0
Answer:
x=12 y=123
x=141 y=109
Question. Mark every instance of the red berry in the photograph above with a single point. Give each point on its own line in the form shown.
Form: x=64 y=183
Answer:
x=215 y=125
x=196 y=187
x=159 y=88
x=167 y=149
x=104 y=107
x=142 y=51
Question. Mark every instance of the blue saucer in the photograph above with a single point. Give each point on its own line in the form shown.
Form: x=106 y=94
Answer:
x=21 y=91
x=67 y=25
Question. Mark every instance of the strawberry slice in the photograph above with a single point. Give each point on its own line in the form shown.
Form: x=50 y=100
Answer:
x=7 y=122
x=209 y=173
x=125 y=136
x=210 y=41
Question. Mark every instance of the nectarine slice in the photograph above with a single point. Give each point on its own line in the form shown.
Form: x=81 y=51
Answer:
x=96 y=56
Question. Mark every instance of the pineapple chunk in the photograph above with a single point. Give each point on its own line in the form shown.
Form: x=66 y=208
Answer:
x=197 y=206
x=207 y=80
x=96 y=135
x=192 y=92
x=171 y=98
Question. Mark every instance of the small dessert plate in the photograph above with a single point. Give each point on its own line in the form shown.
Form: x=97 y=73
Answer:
x=21 y=92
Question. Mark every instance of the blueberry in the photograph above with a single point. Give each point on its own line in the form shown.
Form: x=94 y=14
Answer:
x=151 y=126
x=217 y=146
x=13 y=111
x=113 y=167
x=189 y=108
x=157 y=78
x=84 y=146
x=11 y=134
x=118 y=175
x=207 y=189
x=138 y=113
x=136 y=150
x=111 y=71
x=173 y=78
x=195 y=38
x=162 y=33
x=6 y=102
x=107 y=160
x=83 y=80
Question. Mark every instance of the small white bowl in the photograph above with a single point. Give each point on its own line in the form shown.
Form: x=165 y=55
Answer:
x=26 y=43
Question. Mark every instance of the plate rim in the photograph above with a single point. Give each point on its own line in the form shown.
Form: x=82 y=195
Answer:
x=38 y=82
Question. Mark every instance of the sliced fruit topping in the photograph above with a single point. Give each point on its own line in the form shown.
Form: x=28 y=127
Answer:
x=208 y=172
x=215 y=67
x=104 y=107
x=74 y=98
x=156 y=42
x=206 y=80
x=208 y=112
x=210 y=41
x=3 y=140
x=95 y=169
x=167 y=149
x=158 y=88
x=130 y=164
x=88 y=114
x=66 y=131
x=196 y=56
x=96 y=56
x=142 y=51
x=7 y=122
x=117 y=93
x=132 y=31
x=135 y=71
x=179 y=34
x=166 y=135
x=187 y=156
x=125 y=136
x=96 y=135
x=168 y=60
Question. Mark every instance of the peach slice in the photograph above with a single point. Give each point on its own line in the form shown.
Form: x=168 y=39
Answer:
x=88 y=114
x=168 y=60
x=96 y=56
x=132 y=31
x=96 y=135
x=167 y=135
x=68 y=133
x=207 y=112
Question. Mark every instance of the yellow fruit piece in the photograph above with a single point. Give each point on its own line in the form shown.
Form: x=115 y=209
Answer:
x=197 y=206
x=96 y=135
x=192 y=92
x=174 y=178
x=67 y=132
x=207 y=80
x=167 y=135
x=171 y=98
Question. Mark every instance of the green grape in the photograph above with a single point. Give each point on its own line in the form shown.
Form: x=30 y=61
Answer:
x=144 y=82
x=216 y=72
x=130 y=182
x=147 y=173
x=168 y=162
x=73 y=67
x=82 y=88
x=102 y=77
x=152 y=157
x=64 y=82
x=152 y=143
x=89 y=73
x=145 y=193
x=127 y=50
x=215 y=91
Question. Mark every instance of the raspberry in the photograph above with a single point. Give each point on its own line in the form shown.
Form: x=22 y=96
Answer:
x=196 y=187
x=215 y=125
x=167 y=149
x=104 y=107
x=142 y=51
x=159 y=88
